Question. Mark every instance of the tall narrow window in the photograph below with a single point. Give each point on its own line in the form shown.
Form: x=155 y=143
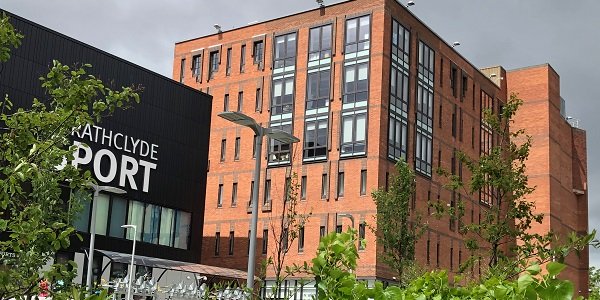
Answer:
x=240 y=101
x=258 y=50
x=464 y=86
x=362 y=229
x=398 y=113
x=453 y=78
x=243 y=59
x=303 y=187
x=231 y=242
x=249 y=234
x=213 y=66
x=182 y=71
x=428 y=250
x=258 y=98
x=340 y=184
x=254 y=146
x=217 y=243
x=251 y=193
x=228 y=66
x=223 y=149
x=267 y=199
x=220 y=196
x=338 y=228
x=315 y=138
x=234 y=190
x=358 y=32
x=322 y=232
x=236 y=150
x=363 y=182
x=301 y=239
x=319 y=43
x=197 y=66
x=353 y=135
x=226 y=102
x=424 y=124
x=451 y=259
x=265 y=241
x=324 y=186
x=437 y=254
x=285 y=239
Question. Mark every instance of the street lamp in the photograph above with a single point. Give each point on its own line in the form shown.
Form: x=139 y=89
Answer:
x=132 y=262
x=97 y=189
x=349 y=216
x=280 y=135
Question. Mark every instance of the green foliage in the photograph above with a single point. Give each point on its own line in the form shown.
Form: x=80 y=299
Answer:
x=398 y=230
x=34 y=141
x=9 y=38
x=594 y=283
x=336 y=260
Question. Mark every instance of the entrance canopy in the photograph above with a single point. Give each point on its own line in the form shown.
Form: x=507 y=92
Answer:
x=210 y=271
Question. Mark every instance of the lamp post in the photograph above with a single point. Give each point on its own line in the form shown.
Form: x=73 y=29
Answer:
x=97 y=189
x=132 y=260
x=280 y=135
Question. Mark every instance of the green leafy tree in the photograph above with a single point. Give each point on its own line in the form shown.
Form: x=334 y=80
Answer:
x=398 y=226
x=35 y=218
x=594 y=283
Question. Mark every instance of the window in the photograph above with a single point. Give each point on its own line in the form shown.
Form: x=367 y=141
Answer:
x=118 y=217
x=251 y=194
x=437 y=254
x=223 y=149
x=228 y=64
x=465 y=87
x=258 y=98
x=102 y=213
x=362 y=228
x=234 y=189
x=236 y=153
x=301 y=239
x=182 y=70
x=248 y=242
x=213 y=66
x=453 y=78
x=220 y=196
x=319 y=46
x=428 y=246
x=217 y=243
x=258 y=50
x=254 y=141
x=399 y=93
x=284 y=240
x=226 y=102
x=338 y=228
x=356 y=84
x=167 y=222
x=181 y=231
x=424 y=124
x=240 y=101
x=451 y=259
x=460 y=124
x=340 y=184
x=265 y=241
x=324 y=186
x=135 y=217
x=151 y=223
x=231 y=242
x=303 y=187
x=315 y=138
x=318 y=89
x=197 y=66
x=285 y=52
x=243 y=59
x=279 y=153
x=287 y=189
x=267 y=199
x=354 y=126
x=357 y=36
x=283 y=96
x=363 y=182
x=322 y=231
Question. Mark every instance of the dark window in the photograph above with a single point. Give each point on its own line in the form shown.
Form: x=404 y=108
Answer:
x=258 y=50
x=254 y=146
x=338 y=228
x=464 y=87
x=424 y=124
x=315 y=138
x=234 y=189
x=213 y=67
x=231 y=242
x=283 y=96
x=301 y=239
x=358 y=33
x=437 y=254
x=249 y=234
x=362 y=228
x=428 y=256
x=226 y=102
x=460 y=124
x=223 y=149
x=303 y=188
x=340 y=184
x=363 y=182
x=319 y=46
x=454 y=121
x=453 y=78
x=399 y=93
x=243 y=59
x=322 y=231
x=236 y=153
x=451 y=259
x=220 y=196
x=251 y=193
x=324 y=186
x=265 y=241
x=217 y=243
x=197 y=66
x=228 y=66
x=182 y=70
x=258 y=98
x=318 y=89
x=356 y=83
x=267 y=199
x=240 y=104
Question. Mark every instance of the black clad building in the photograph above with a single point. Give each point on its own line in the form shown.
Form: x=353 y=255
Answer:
x=156 y=150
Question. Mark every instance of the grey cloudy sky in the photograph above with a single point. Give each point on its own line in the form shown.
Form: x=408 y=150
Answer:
x=511 y=33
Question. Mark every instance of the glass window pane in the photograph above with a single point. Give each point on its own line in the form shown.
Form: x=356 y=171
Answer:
x=326 y=37
x=167 y=217
x=135 y=216
x=347 y=129
x=102 y=213
x=351 y=31
x=363 y=33
x=151 y=223
x=324 y=84
x=314 y=39
x=313 y=79
x=118 y=217
x=182 y=230
x=291 y=45
x=82 y=220
x=362 y=71
x=277 y=88
x=361 y=125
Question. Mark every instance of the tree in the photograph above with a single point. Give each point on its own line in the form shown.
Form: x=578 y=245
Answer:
x=499 y=181
x=35 y=141
x=285 y=229
x=398 y=227
x=594 y=283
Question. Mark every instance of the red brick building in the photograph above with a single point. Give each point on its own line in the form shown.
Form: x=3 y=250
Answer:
x=362 y=83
